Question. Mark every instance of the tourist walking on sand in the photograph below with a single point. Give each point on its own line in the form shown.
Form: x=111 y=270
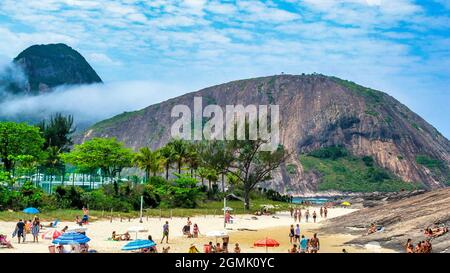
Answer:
x=291 y=210
x=35 y=229
x=325 y=212
x=291 y=234
x=297 y=233
x=303 y=244
x=314 y=244
x=165 y=232
x=307 y=215
x=321 y=212
x=19 y=231
x=314 y=216
x=299 y=215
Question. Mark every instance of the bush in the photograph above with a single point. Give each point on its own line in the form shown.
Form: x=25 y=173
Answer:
x=333 y=152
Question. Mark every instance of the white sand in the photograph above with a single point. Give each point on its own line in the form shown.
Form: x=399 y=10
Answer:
x=100 y=231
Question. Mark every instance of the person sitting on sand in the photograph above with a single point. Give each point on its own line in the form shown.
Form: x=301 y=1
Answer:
x=166 y=249
x=409 y=247
x=293 y=249
x=372 y=229
x=64 y=229
x=193 y=249
x=208 y=248
x=115 y=237
x=186 y=231
x=219 y=249
x=237 y=249
x=418 y=248
x=4 y=242
x=427 y=246
x=344 y=250
x=126 y=236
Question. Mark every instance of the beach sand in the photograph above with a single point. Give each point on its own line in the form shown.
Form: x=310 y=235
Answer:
x=274 y=227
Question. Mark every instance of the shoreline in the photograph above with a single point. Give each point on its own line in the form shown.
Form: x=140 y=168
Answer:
x=277 y=226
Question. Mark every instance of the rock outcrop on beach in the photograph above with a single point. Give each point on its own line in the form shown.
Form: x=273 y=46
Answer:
x=316 y=111
x=48 y=66
x=401 y=219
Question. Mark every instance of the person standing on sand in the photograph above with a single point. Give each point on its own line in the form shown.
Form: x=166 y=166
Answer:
x=291 y=234
x=165 y=232
x=85 y=218
x=307 y=215
x=35 y=229
x=321 y=212
x=314 y=216
x=297 y=233
x=325 y=212
x=19 y=231
x=303 y=244
x=196 y=231
x=188 y=225
x=299 y=215
x=291 y=210
x=314 y=243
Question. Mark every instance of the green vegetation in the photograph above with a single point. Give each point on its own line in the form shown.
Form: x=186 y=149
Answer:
x=371 y=112
x=291 y=169
x=417 y=127
x=124 y=117
x=341 y=171
x=374 y=96
x=429 y=162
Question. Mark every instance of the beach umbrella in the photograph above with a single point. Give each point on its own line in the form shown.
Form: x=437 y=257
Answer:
x=31 y=210
x=76 y=229
x=51 y=234
x=138 y=244
x=217 y=234
x=71 y=238
x=267 y=242
x=137 y=229
x=346 y=203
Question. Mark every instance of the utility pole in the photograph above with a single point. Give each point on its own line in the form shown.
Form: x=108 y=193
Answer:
x=142 y=204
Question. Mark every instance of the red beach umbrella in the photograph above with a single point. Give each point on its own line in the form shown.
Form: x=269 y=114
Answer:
x=267 y=242
x=51 y=234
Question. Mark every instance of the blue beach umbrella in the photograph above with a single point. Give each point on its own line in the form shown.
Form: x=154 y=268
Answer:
x=138 y=244
x=31 y=210
x=71 y=238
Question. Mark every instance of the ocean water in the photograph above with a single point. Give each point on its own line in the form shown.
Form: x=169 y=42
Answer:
x=313 y=200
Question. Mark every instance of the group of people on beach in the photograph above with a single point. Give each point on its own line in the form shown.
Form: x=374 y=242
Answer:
x=305 y=245
x=187 y=229
x=23 y=228
x=296 y=213
x=421 y=247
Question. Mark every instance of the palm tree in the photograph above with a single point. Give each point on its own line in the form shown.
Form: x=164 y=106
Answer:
x=193 y=159
x=212 y=177
x=150 y=161
x=168 y=153
x=203 y=173
x=181 y=152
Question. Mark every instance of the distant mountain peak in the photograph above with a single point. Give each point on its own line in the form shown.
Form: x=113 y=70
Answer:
x=51 y=65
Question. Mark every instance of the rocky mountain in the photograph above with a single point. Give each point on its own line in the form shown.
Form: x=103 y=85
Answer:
x=402 y=218
x=52 y=65
x=379 y=143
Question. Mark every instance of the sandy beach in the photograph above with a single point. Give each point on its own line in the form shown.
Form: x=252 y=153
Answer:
x=276 y=227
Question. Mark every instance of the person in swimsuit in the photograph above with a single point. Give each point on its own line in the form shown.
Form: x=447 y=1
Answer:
x=321 y=212
x=299 y=215
x=291 y=234
x=293 y=249
x=325 y=212
x=196 y=231
x=237 y=249
x=85 y=218
x=314 y=243
x=409 y=247
x=314 y=216
x=307 y=215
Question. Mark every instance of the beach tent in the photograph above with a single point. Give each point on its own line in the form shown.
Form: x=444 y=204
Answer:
x=267 y=242
x=51 y=234
x=346 y=203
x=31 y=210
x=71 y=238
x=137 y=229
x=138 y=244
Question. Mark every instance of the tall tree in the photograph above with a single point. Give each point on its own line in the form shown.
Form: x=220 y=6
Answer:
x=151 y=162
x=181 y=152
x=217 y=156
x=58 y=131
x=168 y=154
x=106 y=154
x=18 y=139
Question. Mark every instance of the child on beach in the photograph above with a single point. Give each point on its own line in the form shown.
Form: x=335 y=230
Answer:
x=237 y=249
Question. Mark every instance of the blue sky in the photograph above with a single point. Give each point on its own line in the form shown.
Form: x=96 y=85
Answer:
x=401 y=47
